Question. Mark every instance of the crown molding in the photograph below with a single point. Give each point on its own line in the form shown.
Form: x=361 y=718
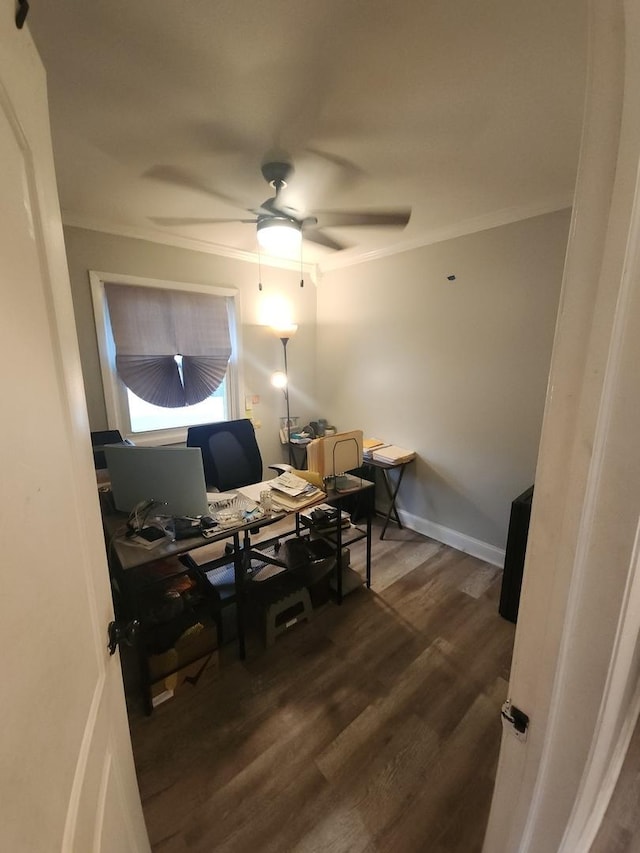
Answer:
x=190 y=243
x=497 y=218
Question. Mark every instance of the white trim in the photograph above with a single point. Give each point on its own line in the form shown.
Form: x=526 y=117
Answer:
x=86 y=744
x=338 y=260
x=454 y=538
x=494 y=219
x=101 y=801
x=623 y=665
x=608 y=751
x=192 y=244
x=114 y=390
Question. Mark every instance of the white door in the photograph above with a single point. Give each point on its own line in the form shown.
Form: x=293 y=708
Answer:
x=67 y=779
x=576 y=665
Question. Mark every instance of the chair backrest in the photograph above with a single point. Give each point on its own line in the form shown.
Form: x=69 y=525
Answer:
x=230 y=453
x=98 y=441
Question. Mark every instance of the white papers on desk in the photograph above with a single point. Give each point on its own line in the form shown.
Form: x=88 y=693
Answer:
x=282 y=501
x=290 y=484
x=289 y=504
x=290 y=492
x=252 y=491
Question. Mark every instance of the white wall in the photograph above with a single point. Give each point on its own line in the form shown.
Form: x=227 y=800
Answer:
x=454 y=370
x=261 y=352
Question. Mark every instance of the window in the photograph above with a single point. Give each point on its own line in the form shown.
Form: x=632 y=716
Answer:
x=166 y=316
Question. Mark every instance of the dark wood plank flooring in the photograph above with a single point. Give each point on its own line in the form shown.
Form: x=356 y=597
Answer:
x=376 y=727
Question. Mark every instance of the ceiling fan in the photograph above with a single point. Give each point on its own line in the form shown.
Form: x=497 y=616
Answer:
x=280 y=226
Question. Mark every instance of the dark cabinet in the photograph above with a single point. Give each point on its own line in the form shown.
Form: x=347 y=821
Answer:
x=515 y=554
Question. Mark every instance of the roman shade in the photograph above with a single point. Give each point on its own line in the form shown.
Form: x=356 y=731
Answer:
x=151 y=326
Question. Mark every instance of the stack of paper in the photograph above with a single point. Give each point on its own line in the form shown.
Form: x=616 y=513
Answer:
x=290 y=492
x=369 y=445
x=393 y=455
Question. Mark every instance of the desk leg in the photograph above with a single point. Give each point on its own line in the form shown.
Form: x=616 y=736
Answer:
x=145 y=679
x=339 y=556
x=369 y=514
x=392 y=495
x=239 y=577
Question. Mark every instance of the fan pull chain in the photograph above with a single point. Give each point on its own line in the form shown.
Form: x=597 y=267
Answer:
x=301 y=268
x=259 y=269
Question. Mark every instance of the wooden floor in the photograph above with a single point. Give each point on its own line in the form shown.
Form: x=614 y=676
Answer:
x=376 y=727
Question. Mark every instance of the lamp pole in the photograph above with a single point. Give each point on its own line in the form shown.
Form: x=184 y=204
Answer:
x=285 y=341
x=285 y=333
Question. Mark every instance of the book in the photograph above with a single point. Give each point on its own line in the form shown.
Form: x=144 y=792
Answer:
x=371 y=445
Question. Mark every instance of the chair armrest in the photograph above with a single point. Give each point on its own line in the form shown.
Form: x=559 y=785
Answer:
x=281 y=467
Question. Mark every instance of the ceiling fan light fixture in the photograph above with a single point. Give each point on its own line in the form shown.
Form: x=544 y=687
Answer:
x=279 y=234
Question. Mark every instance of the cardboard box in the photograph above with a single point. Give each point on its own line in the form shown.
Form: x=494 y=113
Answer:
x=200 y=648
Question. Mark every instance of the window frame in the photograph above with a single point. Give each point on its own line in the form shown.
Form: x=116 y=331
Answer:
x=115 y=393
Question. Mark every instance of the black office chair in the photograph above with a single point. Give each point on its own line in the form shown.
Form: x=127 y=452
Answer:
x=98 y=440
x=230 y=453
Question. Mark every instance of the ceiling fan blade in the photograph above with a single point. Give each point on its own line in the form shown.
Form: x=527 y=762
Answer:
x=315 y=236
x=340 y=219
x=272 y=208
x=193 y=220
x=350 y=172
x=181 y=178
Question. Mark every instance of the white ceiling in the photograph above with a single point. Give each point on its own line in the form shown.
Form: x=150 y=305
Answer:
x=467 y=112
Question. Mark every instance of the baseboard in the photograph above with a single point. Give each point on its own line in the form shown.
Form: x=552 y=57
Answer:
x=459 y=541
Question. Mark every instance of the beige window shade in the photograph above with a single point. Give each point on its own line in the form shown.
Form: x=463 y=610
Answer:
x=152 y=325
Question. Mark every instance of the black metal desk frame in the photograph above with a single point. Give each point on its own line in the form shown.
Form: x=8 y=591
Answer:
x=124 y=560
x=391 y=489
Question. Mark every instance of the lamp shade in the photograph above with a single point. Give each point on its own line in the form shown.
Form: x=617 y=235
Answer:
x=285 y=330
x=279 y=234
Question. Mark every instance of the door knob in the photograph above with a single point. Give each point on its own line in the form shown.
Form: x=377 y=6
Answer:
x=119 y=633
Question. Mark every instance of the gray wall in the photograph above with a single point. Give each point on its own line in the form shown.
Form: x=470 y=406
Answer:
x=454 y=370
x=261 y=352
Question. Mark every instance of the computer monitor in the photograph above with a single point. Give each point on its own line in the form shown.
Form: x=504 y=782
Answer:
x=172 y=476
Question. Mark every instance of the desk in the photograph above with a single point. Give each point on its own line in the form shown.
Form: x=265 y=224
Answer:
x=132 y=571
x=391 y=489
x=129 y=564
x=354 y=485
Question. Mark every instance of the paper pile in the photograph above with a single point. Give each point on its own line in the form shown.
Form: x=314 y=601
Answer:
x=290 y=492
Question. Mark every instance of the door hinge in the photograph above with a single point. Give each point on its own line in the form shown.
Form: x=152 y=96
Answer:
x=516 y=719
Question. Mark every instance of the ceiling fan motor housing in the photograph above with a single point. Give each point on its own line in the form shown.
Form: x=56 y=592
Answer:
x=276 y=173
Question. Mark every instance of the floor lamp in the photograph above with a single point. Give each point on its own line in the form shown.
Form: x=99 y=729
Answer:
x=285 y=333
